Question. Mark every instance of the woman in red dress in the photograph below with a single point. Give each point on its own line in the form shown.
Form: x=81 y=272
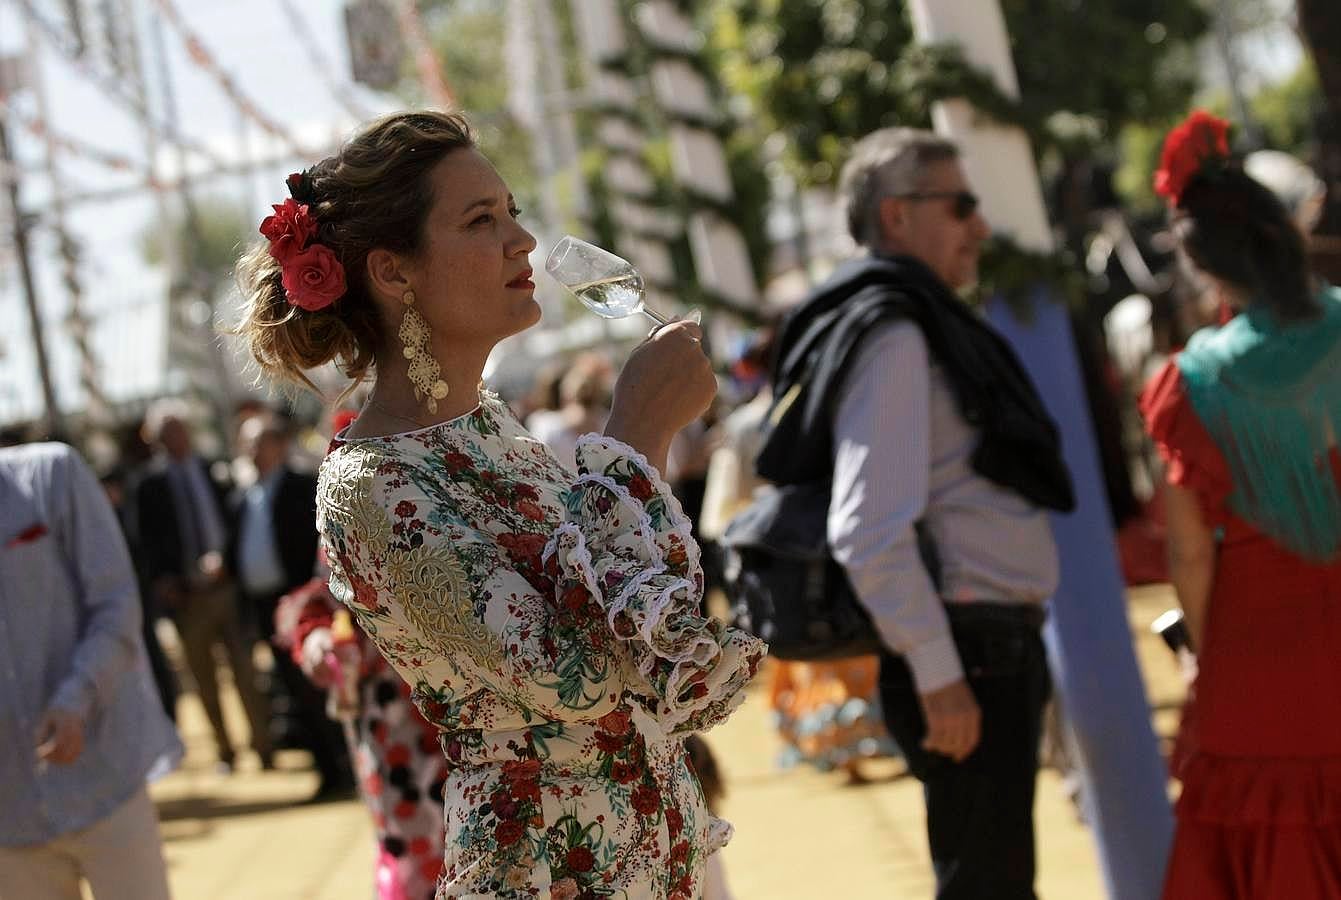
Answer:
x=1246 y=418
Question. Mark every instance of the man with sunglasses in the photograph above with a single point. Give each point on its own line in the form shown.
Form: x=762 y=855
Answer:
x=943 y=462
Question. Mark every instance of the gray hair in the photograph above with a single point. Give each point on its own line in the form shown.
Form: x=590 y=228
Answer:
x=886 y=163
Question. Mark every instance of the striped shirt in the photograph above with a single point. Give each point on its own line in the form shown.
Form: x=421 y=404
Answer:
x=69 y=638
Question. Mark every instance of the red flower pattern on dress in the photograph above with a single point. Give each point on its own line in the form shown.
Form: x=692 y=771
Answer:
x=610 y=743
x=617 y=721
x=1199 y=139
x=580 y=859
x=640 y=487
x=531 y=510
x=521 y=769
x=565 y=889
x=552 y=674
x=645 y=799
x=528 y=790
x=457 y=463
x=364 y=593
x=525 y=547
x=509 y=832
x=674 y=822
x=576 y=597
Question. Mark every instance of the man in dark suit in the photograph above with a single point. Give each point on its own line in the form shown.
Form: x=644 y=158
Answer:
x=273 y=551
x=183 y=529
x=119 y=487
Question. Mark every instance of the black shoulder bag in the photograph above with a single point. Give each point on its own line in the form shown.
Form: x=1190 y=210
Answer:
x=784 y=585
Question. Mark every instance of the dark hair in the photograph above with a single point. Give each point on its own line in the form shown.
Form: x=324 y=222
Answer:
x=704 y=766
x=1235 y=229
x=374 y=193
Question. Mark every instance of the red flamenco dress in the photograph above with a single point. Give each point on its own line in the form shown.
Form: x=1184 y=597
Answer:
x=1260 y=812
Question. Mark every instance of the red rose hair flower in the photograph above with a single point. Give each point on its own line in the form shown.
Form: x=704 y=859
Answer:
x=1200 y=139
x=289 y=229
x=313 y=276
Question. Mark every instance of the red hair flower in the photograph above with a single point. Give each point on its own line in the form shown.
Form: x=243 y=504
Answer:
x=1199 y=139
x=289 y=229
x=313 y=276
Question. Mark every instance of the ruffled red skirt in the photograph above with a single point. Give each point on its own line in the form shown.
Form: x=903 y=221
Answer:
x=1260 y=813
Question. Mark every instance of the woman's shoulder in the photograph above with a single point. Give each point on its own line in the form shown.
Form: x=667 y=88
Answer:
x=351 y=486
x=1169 y=412
x=1191 y=456
x=1164 y=398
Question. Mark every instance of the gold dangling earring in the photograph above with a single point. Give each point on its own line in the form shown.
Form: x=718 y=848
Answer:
x=425 y=374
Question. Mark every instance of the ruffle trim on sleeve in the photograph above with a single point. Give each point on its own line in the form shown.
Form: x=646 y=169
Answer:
x=720 y=832
x=1229 y=791
x=1192 y=460
x=645 y=615
x=616 y=606
x=695 y=666
x=569 y=541
x=645 y=529
x=679 y=522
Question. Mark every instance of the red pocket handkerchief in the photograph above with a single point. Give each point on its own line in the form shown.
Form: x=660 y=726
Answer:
x=27 y=535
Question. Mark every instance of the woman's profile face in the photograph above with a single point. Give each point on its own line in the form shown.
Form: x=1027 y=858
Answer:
x=473 y=279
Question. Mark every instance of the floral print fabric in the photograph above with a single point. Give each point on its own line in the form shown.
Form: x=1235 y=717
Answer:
x=400 y=767
x=548 y=626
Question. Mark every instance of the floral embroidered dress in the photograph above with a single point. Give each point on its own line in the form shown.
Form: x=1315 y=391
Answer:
x=548 y=625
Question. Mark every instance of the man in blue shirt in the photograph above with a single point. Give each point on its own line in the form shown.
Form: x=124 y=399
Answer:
x=82 y=725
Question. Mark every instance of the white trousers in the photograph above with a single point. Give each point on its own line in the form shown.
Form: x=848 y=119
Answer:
x=121 y=858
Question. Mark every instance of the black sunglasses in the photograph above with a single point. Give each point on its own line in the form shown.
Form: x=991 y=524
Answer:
x=965 y=202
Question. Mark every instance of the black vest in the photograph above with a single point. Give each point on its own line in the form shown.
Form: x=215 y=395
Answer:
x=1019 y=446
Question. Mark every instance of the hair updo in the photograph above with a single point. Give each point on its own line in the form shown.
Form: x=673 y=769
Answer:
x=374 y=193
x=1235 y=229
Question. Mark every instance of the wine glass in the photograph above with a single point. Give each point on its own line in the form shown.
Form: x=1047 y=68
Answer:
x=606 y=284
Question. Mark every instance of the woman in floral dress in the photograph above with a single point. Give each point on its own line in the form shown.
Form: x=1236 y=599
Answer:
x=545 y=619
x=401 y=770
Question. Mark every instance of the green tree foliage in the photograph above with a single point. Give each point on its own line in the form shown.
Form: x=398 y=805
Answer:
x=468 y=38
x=1115 y=60
x=1286 y=112
x=825 y=72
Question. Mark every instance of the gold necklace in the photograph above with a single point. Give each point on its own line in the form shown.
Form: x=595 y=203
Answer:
x=395 y=415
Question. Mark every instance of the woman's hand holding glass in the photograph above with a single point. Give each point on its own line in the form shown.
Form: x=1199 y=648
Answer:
x=667 y=383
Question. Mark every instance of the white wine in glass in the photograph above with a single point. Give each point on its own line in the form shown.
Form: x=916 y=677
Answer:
x=607 y=284
x=613 y=297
